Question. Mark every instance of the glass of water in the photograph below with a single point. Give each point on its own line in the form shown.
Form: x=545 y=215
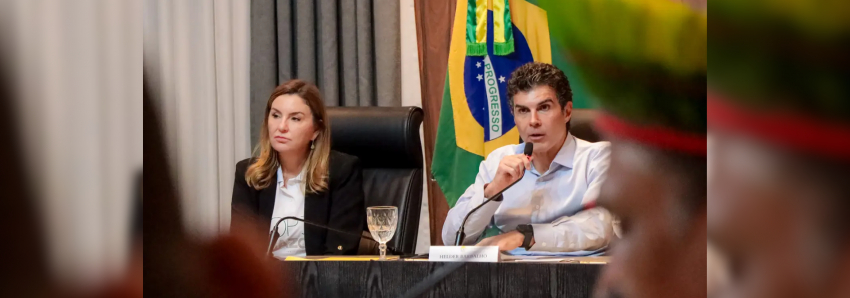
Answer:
x=382 y=223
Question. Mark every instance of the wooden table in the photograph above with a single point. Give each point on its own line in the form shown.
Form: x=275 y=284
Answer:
x=394 y=278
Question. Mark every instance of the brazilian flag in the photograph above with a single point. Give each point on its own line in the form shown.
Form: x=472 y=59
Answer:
x=489 y=40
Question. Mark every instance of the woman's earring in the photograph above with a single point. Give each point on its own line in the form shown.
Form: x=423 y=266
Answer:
x=312 y=145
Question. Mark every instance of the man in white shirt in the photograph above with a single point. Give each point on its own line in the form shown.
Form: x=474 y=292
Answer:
x=542 y=211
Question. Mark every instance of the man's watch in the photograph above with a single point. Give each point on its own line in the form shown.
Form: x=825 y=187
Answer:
x=528 y=232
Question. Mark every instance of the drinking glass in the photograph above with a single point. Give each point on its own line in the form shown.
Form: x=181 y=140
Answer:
x=382 y=223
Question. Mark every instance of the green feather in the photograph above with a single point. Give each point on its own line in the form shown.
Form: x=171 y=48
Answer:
x=788 y=55
x=644 y=60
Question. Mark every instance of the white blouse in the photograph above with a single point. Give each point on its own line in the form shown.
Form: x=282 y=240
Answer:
x=289 y=201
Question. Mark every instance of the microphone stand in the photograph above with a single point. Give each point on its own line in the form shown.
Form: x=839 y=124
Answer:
x=460 y=236
x=274 y=236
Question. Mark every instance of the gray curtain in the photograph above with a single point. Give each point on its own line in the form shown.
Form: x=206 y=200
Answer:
x=349 y=48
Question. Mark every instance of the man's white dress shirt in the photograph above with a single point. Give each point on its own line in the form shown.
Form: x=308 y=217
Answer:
x=548 y=201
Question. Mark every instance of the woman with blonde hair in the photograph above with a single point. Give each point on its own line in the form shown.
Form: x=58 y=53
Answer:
x=297 y=174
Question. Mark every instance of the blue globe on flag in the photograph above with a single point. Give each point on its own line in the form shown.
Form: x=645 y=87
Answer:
x=486 y=84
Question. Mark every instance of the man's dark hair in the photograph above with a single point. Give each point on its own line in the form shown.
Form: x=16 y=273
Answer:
x=534 y=74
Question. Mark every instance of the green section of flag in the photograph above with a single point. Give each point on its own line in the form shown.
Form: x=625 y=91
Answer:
x=452 y=167
x=473 y=48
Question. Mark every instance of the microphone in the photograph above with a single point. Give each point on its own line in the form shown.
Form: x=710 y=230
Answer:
x=459 y=237
x=274 y=236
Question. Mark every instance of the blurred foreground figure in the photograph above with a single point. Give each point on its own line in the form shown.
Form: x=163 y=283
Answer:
x=778 y=107
x=24 y=272
x=176 y=265
x=645 y=61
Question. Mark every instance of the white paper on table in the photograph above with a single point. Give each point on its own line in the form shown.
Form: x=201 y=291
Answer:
x=581 y=253
x=534 y=259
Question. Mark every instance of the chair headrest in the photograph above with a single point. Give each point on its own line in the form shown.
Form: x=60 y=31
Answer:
x=382 y=137
x=581 y=125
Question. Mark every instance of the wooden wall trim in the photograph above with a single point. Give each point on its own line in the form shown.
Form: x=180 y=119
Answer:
x=433 y=30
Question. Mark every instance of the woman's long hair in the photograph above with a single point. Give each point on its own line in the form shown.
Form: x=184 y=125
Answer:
x=261 y=173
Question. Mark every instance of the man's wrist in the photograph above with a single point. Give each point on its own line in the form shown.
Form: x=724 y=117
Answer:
x=528 y=235
x=490 y=189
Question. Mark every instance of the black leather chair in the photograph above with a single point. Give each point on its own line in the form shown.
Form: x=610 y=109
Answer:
x=581 y=125
x=387 y=142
